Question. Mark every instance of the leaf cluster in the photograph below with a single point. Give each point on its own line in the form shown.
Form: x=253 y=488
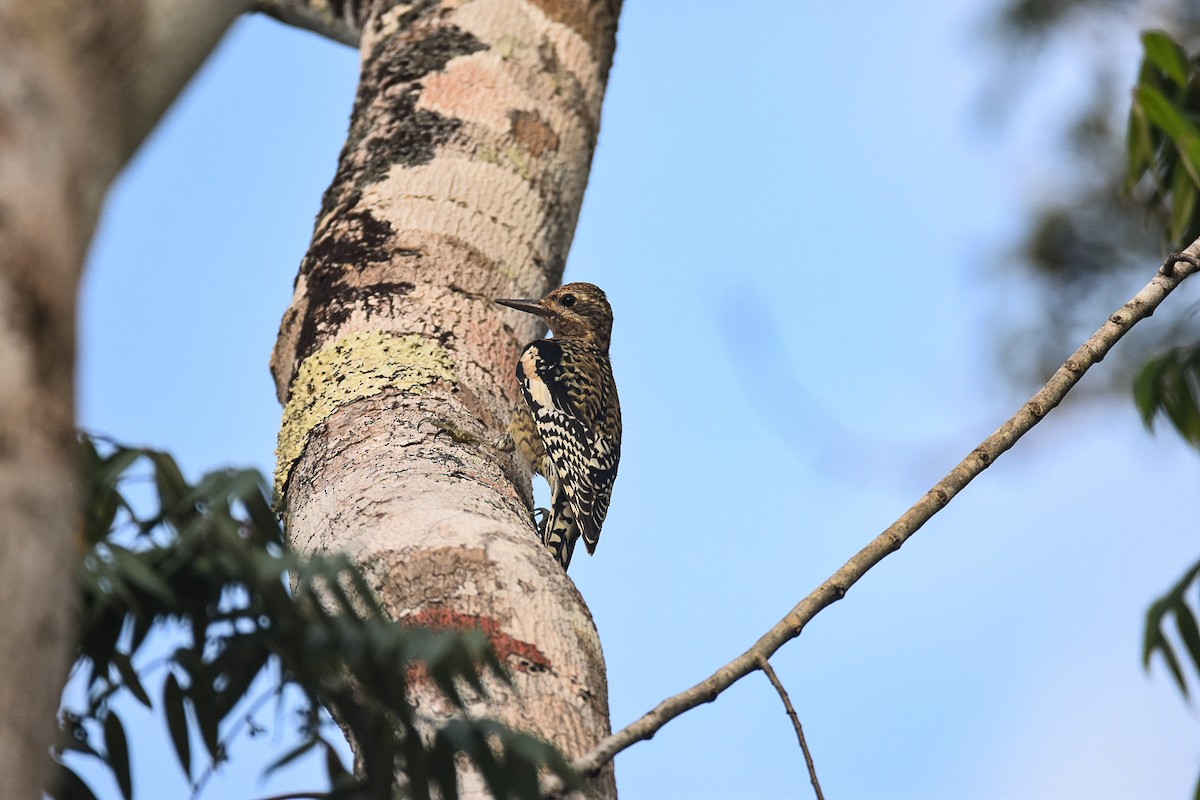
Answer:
x=1169 y=385
x=1174 y=605
x=1164 y=148
x=211 y=559
x=1163 y=139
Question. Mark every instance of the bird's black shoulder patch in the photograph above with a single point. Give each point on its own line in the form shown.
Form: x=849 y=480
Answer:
x=548 y=350
x=542 y=364
x=546 y=354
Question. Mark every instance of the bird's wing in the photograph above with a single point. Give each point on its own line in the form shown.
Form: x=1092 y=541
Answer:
x=584 y=460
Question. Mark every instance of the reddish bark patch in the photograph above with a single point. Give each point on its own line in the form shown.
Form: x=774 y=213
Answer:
x=521 y=656
x=533 y=132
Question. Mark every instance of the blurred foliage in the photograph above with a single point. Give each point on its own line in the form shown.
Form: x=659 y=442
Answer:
x=211 y=559
x=1035 y=18
x=1169 y=385
x=1163 y=141
x=1164 y=156
x=1116 y=214
x=1088 y=238
x=1174 y=605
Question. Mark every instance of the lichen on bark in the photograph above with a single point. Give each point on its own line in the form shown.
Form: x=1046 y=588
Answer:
x=347 y=369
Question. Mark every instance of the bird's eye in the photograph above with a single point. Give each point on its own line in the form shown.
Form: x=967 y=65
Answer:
x=567 y=300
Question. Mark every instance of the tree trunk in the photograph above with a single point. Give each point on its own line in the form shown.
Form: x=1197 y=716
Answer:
x=460 y=182
x=81 y=84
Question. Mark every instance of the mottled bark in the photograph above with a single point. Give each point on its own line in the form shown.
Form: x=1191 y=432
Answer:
x=81 y=84
x=460 y=182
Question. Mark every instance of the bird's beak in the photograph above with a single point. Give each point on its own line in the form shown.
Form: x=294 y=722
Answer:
x=528 y=306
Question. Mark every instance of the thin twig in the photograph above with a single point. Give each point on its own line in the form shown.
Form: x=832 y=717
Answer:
x=769 y=671
x=1178 y=267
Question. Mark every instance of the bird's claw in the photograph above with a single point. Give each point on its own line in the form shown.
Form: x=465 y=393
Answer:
x=540 y=517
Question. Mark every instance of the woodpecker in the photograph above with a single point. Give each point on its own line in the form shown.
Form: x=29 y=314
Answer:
x=569 y=428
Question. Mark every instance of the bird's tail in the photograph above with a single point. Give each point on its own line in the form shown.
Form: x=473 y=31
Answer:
x=560 y=532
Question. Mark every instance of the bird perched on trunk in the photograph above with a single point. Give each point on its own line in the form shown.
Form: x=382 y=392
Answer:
x=569 y=428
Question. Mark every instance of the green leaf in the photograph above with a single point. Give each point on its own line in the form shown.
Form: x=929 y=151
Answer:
x=1179 y=401
x=1173 y=121
x=172 y=488
x=1168 y=385
x=525 y=755
x=116 y=747
x=544 y=754
x=347 y=604
x=1183 y=206
x=208 y=719
x=521 y=772
x=243 y=659
x=134 y=569
x=91 y=456
x=142 y=625
x=440 y=656
x=1166 y=54
x=101 y=477
x=1146 y=392
x=262 y=518
x=1155 y=641
x=364 y=594
x=1139 y=147
x=443 y=768
x=108 y=473
x=69 y=786
x=101 y=508
x=129 y=677
x=177 y=725
x=1189 y=633
x=1189 y=155
x=1152 y=635
x=1168 y=653
x=1162 y=113
x=473 y=740
x=291 y=755
x=416 y=766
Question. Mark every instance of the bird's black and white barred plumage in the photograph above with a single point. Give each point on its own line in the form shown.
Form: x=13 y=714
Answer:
x=572 y=401
x=570 y=428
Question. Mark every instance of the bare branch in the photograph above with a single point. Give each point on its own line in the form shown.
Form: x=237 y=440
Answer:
x=769 y=671
x=1178 y=267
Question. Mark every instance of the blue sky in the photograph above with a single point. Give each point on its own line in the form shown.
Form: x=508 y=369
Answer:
x=794 y=210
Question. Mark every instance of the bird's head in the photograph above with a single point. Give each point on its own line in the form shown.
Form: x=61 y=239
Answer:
x=574 y=311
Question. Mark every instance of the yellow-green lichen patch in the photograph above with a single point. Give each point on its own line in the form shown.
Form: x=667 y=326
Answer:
x=356 y=366
x=510 y=157
x=518 y=158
